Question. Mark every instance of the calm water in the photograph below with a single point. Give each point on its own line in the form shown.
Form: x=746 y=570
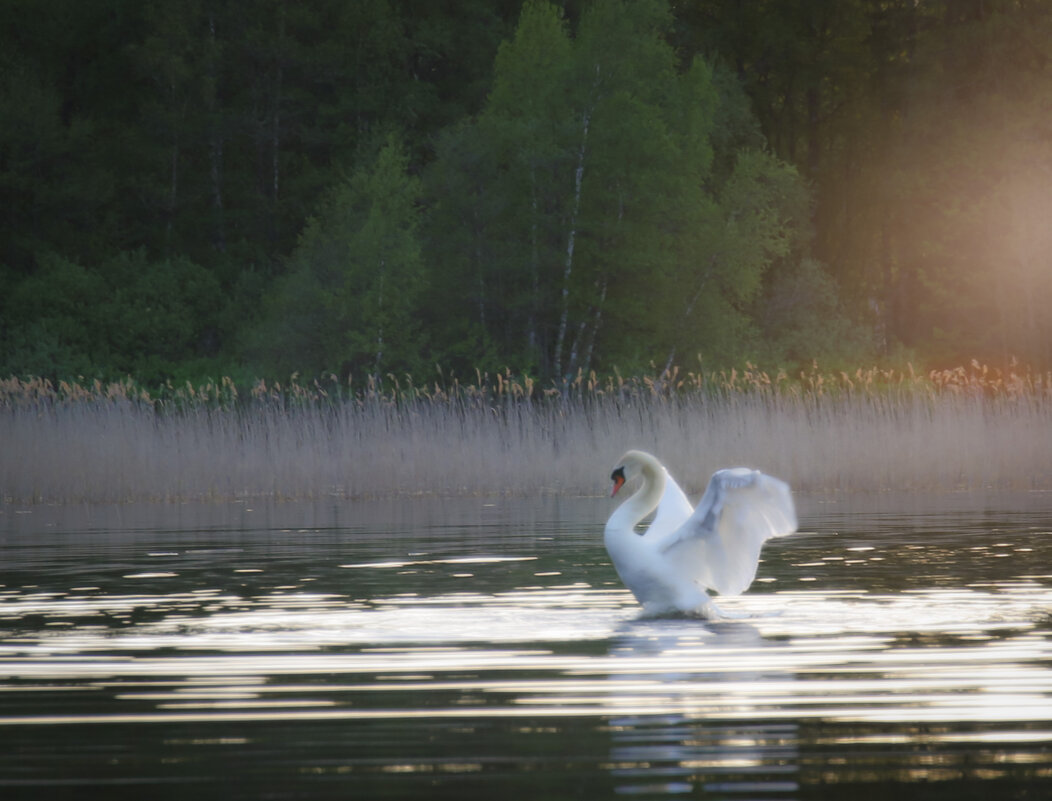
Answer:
x=485 y=650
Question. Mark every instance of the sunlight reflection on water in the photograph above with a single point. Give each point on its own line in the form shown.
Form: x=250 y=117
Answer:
x=989 y=664
x=903 y=649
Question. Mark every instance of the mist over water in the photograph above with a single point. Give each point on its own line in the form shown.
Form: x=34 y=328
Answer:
x=907 y=437
x=897 y=645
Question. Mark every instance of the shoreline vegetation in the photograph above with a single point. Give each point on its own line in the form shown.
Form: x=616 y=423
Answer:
x=871 y=430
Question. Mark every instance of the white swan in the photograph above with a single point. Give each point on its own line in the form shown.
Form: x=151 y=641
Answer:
x=687 y=551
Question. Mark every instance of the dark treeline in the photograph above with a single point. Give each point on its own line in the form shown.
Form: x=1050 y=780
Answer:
x=256 y=188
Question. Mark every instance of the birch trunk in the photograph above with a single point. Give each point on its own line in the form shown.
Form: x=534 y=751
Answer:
x=275 y=139
x=586 y=334
x=688 y=311
x=596 y=321
x=564 y=311
x=532 y=339
x=275 y=132
x=173 y=194
x=215 y=153
x=481 y=273
x=380 y=314
x=215 y=144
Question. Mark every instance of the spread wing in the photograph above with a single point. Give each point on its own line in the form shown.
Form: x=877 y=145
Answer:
x=719 y=544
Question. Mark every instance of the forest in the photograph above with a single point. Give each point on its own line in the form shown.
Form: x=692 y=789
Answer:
x=260 y=189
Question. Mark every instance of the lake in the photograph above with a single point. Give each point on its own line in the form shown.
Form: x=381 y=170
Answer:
x=897 y=647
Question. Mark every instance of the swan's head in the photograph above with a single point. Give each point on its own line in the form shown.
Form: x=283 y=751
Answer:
x=628 y=467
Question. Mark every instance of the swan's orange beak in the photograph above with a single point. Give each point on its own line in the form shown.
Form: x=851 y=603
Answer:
x=618 y=477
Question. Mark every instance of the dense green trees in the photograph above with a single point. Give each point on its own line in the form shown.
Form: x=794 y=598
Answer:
x=261 y=188
x=355 y=279
x=924 y=130
x=132 y=315
x=579 y=220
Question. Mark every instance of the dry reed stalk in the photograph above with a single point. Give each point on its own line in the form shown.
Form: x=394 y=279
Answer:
x=873 y=430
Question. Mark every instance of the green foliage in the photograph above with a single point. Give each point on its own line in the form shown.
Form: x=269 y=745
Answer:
x=597 y=231
x=129 y=316
x=202 y=188
x=54 y=321
x=803 y=320
x=348 y=300
x=158 y=314
x=969 y=237
x=924 y=128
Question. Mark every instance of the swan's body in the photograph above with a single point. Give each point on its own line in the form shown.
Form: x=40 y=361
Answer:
x=687 y=551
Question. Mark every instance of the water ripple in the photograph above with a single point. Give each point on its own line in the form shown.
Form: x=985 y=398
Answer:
x=415 y=664
x=955 y=655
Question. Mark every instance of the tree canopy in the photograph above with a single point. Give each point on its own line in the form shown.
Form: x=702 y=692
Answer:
x=259 y=188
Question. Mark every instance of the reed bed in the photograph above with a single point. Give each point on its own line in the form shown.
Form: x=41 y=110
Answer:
x=868 y=431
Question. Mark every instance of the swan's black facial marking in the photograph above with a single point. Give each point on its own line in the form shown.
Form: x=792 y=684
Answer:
x=618 y=477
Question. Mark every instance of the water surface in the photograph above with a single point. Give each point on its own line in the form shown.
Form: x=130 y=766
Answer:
x=485 y=649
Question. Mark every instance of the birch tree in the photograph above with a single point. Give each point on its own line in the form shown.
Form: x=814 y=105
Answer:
x=600 y=234
x=531 y=122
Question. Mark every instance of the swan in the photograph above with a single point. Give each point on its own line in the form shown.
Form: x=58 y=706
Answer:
x=686 y=551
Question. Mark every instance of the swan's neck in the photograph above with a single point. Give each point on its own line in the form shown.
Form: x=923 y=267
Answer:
x=644 y=501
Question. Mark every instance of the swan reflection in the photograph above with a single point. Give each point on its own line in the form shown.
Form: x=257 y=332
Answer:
x=698 y=738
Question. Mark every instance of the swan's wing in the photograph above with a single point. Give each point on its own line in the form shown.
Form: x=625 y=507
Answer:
x=719 y=545
x=674 y=509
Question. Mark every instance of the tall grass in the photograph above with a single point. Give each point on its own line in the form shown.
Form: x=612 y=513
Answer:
x=872 y=430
